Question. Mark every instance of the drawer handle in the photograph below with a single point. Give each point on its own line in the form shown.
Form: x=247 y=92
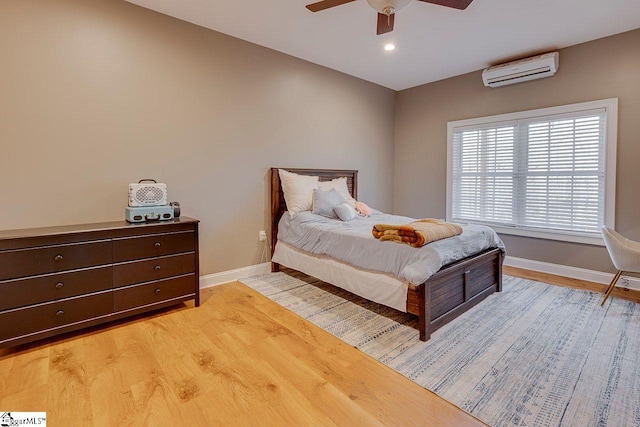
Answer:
x=157 y=244
x=157 y=267
x=59 y=285
x=58 y=258
x=157 y=291
x=59 y=313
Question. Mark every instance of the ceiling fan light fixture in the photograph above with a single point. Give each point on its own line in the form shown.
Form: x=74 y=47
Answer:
x=388 y=7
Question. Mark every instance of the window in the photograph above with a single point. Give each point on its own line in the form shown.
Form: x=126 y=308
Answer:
x=546 y=173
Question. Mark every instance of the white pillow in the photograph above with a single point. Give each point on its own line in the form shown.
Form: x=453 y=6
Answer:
x=325 y=201
x=298 y=191
x=340 y=185
x=345 y=212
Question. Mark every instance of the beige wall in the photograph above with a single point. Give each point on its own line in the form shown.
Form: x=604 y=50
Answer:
x=604 y=68
x=97 y=94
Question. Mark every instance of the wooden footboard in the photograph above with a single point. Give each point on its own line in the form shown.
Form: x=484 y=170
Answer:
x=454 y=289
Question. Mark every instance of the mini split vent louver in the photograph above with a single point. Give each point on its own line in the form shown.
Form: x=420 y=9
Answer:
x=522 y=70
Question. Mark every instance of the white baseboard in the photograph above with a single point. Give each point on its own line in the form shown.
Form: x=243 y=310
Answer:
x=543 y=267
x=233 y=275
x=572 y=272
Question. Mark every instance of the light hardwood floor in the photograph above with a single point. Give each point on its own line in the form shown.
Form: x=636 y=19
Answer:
x=618 y=291
x=239 y=359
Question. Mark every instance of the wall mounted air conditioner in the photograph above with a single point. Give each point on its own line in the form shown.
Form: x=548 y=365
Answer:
x=522 y=70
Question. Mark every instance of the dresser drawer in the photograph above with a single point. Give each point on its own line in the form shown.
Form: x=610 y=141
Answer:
x=132 y=248
x=154 y=292
x=59 y=279
x=52 y=259
x=24 y=321
x=20 y=292
x=132 y=272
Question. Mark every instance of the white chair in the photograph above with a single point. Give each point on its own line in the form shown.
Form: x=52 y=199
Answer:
x=624 y=253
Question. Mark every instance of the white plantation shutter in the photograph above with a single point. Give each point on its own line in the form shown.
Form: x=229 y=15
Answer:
x=537 y=173
x=564 y=173
x=484 y=175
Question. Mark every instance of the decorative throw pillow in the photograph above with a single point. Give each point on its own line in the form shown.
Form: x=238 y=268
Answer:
x=363 y=209
x=298 y=191
x=340 y=184
x=345 y=212
x=325 y=201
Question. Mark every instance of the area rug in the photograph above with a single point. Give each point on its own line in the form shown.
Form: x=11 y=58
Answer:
x=532 y=355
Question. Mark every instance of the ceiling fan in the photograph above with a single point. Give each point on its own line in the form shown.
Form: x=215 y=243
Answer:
x=387 y=9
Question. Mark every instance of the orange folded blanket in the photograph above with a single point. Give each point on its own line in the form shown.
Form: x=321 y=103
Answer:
x=417 y=233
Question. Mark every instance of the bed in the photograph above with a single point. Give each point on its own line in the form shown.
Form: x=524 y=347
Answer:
x=449 y=292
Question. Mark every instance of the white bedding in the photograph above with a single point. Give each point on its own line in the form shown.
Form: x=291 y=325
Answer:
x=377 y=287
x=352 y=243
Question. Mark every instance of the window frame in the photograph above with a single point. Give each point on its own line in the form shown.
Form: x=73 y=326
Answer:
x=610 y=135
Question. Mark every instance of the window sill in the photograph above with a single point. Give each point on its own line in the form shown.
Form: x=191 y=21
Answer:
x=551 y=235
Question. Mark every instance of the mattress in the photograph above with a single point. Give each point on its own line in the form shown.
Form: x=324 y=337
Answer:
x=377 y=287
x=353 y=243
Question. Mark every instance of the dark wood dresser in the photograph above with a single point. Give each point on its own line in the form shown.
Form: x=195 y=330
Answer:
x=59 y=279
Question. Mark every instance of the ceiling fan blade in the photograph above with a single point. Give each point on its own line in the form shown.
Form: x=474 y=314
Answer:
x=326 y=4
x=456 y=4
x=385 y=23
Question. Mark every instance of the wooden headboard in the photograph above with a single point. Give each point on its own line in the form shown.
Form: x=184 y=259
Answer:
x=278 y=205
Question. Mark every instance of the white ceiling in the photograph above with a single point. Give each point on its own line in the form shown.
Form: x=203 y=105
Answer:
x=433 y=42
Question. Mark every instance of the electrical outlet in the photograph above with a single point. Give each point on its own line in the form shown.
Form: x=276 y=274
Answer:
x=262 y=235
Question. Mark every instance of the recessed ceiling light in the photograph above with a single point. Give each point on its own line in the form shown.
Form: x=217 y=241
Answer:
x=389 y=46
